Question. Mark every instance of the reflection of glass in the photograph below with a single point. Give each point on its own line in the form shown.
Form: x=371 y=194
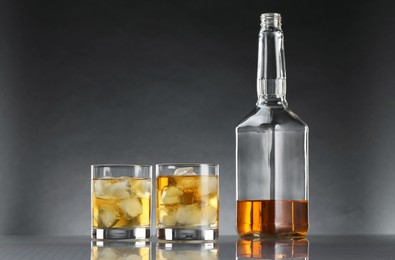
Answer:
x=187 y=201
x=138 y=250
x=273 y=249
x=121 y=196
x=187 y=251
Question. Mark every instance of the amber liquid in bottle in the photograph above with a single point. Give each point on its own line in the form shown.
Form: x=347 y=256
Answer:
x=279 y=218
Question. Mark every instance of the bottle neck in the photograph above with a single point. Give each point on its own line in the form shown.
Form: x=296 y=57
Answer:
x=271 y=78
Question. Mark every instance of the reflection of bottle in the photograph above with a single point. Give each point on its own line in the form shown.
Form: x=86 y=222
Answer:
x=272 y=150
x=121 y=250
x=273 y=249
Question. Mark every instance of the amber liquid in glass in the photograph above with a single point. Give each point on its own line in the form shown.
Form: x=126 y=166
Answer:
x=187 y=201
x=121 y=202
x=272 y=218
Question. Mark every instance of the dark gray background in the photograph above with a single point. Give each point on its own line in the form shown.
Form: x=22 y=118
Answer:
x=84 y=82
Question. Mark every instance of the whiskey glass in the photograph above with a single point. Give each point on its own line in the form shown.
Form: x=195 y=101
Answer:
x=187 y=205
x=121 y=201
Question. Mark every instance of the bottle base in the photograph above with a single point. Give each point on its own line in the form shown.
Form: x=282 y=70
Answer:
x=260 y=236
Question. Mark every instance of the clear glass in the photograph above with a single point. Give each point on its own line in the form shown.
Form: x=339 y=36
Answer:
x=140 y=250
x=297 y=249
x=272 y=151
x=171 y=251
x=187 y=205
x=121 y=201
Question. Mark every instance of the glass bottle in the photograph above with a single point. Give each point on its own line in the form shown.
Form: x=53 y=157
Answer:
x=272 y=150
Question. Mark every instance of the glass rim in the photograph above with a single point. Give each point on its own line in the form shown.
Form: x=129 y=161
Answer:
x=119 y=165
x=189 y=164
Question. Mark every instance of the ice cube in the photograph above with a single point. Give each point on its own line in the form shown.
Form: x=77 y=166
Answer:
x=171 y=195
x=121 y=189
x=107 y=215
x=166 y=217
x=188 y=215
x=131 y=208
x=107 y=172
x=102 y=189
x=106 y=253
x=213 y=201
x=142 y=188
x=187 y=182
x=208 y=186
x=184 y=171
x=209 y=214
x=169 y=220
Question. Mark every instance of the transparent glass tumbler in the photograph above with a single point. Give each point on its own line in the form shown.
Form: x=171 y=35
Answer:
x=121 y=201
x=187 y=205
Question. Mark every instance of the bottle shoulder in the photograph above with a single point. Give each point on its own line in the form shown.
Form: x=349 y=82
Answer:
x=279 y=118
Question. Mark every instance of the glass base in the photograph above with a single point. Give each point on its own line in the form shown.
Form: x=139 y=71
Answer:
x=133 y=233
x=183 y=234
